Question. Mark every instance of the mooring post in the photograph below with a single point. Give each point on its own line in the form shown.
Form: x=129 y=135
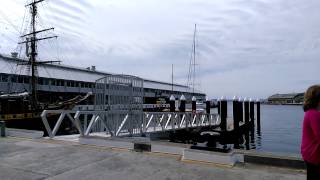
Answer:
x=194 y=104
x=252 y=112
x=208 y=110
x=258 y=116
x=172 y=103
x=246 y=111
x=208 y=106
x=182 y=107
x=235 y=113
x=240 y=109
x=3 y=129
x=223 y=116
x=219 y=106
x=236 y=121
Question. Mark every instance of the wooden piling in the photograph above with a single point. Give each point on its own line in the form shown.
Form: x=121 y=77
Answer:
x=246 y=111
x=236 y=121
x=240 y=108
x=172 y=103
x=219 y=106
x=258 y=117
x=194 y=104
x=223 y=115
x=182 y=107
x=208 y=106
x=235 y=114
x=252 y=112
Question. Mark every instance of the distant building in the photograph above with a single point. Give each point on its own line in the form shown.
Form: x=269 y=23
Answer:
x=292 y=98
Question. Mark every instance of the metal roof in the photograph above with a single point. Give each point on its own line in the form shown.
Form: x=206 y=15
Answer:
x=8 y=65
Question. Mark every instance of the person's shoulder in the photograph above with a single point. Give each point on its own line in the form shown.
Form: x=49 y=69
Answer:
x=312 y=113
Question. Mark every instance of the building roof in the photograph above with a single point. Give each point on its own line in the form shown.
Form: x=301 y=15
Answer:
x=8 y=65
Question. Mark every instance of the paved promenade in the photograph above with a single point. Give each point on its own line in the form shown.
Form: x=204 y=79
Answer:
x=47 y=159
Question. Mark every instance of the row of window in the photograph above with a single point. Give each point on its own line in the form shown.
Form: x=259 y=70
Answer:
x=44 y=81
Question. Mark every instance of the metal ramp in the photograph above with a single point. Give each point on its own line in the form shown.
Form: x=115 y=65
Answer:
x=118 y=111
x=88 y=122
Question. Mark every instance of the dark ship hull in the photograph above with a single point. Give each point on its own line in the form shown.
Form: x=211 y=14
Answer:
x=16 y=111
x=35 y=123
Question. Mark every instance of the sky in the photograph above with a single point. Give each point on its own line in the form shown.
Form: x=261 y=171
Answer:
x=248 y=48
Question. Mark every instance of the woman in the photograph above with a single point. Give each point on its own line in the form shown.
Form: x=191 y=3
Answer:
x=310 y=147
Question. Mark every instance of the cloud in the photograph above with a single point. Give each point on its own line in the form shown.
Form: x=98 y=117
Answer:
x=244 y=47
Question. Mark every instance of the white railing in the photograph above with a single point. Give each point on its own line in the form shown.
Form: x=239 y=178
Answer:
x=123 y=123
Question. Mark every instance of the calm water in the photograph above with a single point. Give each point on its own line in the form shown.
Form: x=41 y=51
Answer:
x=281 y=128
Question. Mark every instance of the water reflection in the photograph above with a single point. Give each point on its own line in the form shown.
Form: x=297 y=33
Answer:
x=279 y=131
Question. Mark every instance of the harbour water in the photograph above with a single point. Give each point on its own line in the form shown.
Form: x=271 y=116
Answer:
x=281 y=128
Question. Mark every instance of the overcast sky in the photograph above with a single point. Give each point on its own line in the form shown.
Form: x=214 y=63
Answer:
x=251 y=48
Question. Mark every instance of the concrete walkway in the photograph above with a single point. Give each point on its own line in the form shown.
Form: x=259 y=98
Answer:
x=47 y=159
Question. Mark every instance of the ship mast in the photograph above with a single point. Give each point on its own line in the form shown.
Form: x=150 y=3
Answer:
x=194 y=58
x=31 y=40
x=192 y=65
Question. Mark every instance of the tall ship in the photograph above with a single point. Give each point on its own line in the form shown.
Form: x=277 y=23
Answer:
x=22 y=109
x=50 y=85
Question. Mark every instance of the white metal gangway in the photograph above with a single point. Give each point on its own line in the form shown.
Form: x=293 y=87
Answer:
x=124 y=123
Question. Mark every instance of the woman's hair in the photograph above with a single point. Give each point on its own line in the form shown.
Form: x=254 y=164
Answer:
x=311 y=98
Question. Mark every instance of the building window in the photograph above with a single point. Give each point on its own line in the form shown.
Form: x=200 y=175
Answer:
x=45 y=81
x=40 y=81
x=13 y=79
x=60 y=82
x=26 y=80
x=4 y=78
x=53 y=82
x=20 y=79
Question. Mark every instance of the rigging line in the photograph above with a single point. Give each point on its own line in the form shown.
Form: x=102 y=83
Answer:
x=21 y=30
x=7 y=36
x=189 y=72
x=14 y=71
x=23 y=20
x=19 y=75
x=10 y=23
x=55 y=19
x=45 y=68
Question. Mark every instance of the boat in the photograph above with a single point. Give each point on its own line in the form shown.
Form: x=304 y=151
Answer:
x=23 y=109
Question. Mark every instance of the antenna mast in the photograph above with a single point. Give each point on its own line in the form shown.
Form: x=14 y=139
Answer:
x=31 y=41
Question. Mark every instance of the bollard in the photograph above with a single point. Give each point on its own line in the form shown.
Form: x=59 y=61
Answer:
x=194 y=104
x=182 y=107
x=208 y=106
x=172 y=103
x=240 y=109
x=223 y=116
x=258 y=116
x=3 y=129
x=251 y=112
x=246 y=111
x=236 y=121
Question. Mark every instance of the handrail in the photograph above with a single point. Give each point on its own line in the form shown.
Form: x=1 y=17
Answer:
x=119 y=123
